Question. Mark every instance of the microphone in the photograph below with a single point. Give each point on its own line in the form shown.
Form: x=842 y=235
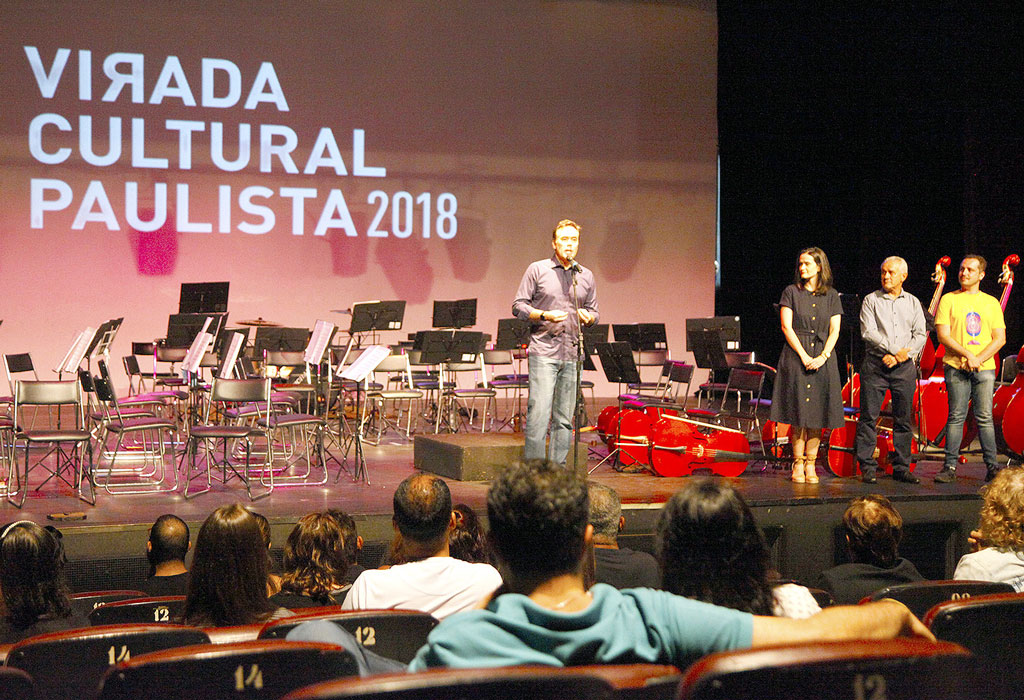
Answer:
x=575 y=267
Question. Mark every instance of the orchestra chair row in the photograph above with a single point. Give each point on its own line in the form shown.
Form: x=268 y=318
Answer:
x=922 y=596
x=896 y=669
x=598 y=682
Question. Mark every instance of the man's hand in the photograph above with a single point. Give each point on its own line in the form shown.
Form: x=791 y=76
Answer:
x=972 y=361
x=556 y=316
x=903 y=355
x=586 y=318
x=889 y=361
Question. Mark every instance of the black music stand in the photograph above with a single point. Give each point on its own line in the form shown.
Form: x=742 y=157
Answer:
x=182 y=329
x=279 y=339
x=592 y=336
x=203 y=298
x=437 y=347
x=627 y=333
x=652 y=336
x=377 y=316
x=454 y=314
x=707 y=348
x=617 y=362
x=101 y=341
x=513 y=334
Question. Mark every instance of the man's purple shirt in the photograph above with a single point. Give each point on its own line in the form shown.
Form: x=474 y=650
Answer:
x=547 y=286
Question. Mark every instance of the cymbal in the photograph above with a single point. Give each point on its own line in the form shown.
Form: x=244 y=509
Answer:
x=259 y=322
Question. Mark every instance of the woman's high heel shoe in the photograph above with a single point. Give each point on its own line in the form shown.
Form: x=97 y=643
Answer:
x=798 y=471
x=810 y=473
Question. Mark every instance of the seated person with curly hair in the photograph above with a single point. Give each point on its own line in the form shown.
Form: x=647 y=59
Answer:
x=712 y=550
x=873 y=529
x=999 y=541
x=34 y=588
x=315 y=562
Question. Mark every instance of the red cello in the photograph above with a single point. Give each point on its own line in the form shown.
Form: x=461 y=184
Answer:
x=679 y=445
x=931 y=356
x=1006 y=393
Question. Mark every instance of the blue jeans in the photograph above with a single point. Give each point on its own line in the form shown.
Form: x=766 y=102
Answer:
x=964 y=388
x=552 y=402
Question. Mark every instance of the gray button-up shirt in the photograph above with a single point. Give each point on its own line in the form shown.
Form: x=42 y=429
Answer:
x=889 y=324
x=547 y=286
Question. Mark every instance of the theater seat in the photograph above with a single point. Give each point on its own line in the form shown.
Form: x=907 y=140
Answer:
x=165 y=608
x=510 y=683
x=897 y=669
x=395 y=634
x=260 y=669
x=70 y=664
x=992 y=628
x=920 y=596
x=15 y=685
x=84 y=603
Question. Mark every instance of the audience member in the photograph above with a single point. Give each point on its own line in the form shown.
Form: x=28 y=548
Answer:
x=614 y=565
x=998 y=543
x=467 y=540
x=353 y=543
x=273 y=580
x=430 y=580
x=228 y=582
x=34 y=589
x=314 y=564
x=873 y=529
x=538 y=516
x=166 y=549
x=712 y=550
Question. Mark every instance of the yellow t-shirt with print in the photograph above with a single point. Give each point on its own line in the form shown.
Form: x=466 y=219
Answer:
x=971 y=319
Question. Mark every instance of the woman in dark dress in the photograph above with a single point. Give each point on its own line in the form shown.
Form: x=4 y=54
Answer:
x=808 y=395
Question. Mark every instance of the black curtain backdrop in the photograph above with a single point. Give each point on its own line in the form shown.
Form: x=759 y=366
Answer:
x=890 y=130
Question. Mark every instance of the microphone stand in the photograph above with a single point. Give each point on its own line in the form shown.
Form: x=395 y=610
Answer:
x=579 y=369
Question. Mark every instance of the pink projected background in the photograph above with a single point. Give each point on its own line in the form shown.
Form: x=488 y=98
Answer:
x=319 y=154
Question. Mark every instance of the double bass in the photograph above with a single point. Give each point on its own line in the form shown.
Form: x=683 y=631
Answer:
x=931 y=356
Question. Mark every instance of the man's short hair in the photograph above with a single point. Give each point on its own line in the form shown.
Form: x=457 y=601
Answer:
x=901 y=264
x=423 y=507
x=169 y=539
x=982 y=263
x=874 y=529
x=538 y=513
x=563 y=223
x=605 y=510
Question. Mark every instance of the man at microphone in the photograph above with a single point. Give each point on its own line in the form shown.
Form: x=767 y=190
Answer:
x=556 y=295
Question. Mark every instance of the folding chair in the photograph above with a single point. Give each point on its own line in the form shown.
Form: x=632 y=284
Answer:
x=151 y=610
x=260 y=669
x=747 y=385
x=517 y=384
x=396 y=634
x=922 y=596
x=284 y=432
x=69 y=665
x=233 y=408
x=84 y=603
x=151 y=475
x=458 y=403
x=53 y=396
x=897 y=669
x=397 y=389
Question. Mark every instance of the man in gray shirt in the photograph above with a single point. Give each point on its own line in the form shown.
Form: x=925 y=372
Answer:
x=893 y=328
x=556 y=295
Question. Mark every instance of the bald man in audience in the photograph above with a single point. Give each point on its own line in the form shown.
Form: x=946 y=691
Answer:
x=426 y=577
x=617 y=566
x=168 y=544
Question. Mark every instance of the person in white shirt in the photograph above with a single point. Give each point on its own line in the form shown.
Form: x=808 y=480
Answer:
x=998 y=543
x=427 y=579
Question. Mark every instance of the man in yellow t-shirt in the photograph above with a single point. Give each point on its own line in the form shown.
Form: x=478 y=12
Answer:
x=969 y=323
